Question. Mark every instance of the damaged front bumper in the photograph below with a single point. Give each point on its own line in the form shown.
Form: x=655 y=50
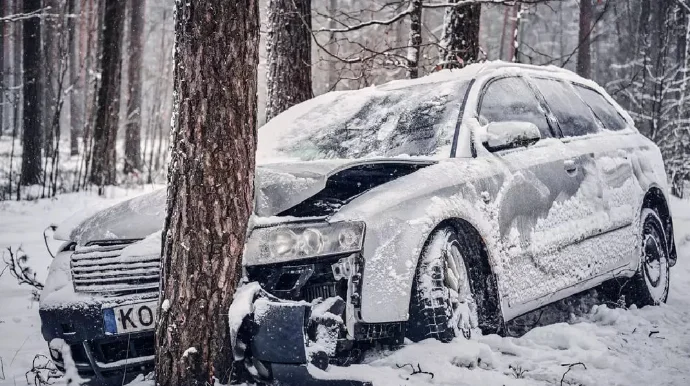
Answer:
x=286 y=342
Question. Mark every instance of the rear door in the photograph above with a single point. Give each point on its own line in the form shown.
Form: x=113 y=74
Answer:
x=599 y=213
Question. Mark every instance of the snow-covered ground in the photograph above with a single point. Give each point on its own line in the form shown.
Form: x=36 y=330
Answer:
x=649 y=346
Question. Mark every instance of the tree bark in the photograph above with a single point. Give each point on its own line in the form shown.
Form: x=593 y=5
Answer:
x=210 y=186
x=460 y=38
x=108 y=101
x=32 y=139
x=584 y=53
x=133 y=128
x=76 y=94
x=415 y=39
x=288 y=50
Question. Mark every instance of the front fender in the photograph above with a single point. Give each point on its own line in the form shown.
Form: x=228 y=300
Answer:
x=397 y=229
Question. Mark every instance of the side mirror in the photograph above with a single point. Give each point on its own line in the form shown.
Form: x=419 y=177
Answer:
x=508 y=135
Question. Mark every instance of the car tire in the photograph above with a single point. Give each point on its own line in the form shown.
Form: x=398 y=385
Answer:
x=651 y=282
x=442 y=305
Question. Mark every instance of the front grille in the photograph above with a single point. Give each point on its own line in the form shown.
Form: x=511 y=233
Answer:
x=101 y=268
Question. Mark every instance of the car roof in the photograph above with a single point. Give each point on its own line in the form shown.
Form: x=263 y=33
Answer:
x=490 y=69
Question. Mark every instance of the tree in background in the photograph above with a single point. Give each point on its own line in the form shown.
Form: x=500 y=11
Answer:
x=108 y=100
x=415 y=39
x=76 y=94
x=210 y=187
x=3 y=87
x=136 y=44
x=460 y=39
x=288 y=51
x=584 y=53
x=32 y=138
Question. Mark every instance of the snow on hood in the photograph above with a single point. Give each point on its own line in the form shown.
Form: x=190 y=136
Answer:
x=278 y=187
x=131 y=219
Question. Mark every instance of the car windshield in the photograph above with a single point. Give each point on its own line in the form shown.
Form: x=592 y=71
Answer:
x=384 y=121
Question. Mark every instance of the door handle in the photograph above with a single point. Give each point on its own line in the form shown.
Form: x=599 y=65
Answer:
x=570 y=167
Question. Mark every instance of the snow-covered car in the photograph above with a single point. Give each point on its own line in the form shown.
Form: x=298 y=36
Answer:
x=415 y=209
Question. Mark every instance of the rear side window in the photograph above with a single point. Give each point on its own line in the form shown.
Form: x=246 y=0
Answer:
x=574 y=117
x=511 y=99
x=607 y=114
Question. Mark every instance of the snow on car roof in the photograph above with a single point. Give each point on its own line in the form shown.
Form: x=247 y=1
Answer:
x=410 y=117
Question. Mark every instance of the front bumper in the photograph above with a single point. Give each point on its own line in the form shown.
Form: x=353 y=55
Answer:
x=99 y=356
x=279 y=345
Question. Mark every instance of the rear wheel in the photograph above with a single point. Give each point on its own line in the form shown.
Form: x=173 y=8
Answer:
x=650 y=284
x=442 y=304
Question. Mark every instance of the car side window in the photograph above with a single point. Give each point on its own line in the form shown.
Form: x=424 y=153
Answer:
x=606 y=113
x=574 y=117
x=511 y=99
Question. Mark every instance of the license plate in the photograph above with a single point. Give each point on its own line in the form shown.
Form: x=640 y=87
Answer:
x=130 y=318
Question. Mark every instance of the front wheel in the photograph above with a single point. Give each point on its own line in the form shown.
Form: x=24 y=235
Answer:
x=650 y=284
x=442 y=304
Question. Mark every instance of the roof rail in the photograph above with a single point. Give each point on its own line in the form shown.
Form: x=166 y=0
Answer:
x=498 y=64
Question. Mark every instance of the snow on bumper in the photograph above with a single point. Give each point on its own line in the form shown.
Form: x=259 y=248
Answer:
x=271 y=337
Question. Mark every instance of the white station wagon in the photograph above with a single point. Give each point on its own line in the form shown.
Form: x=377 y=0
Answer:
x=420 y=208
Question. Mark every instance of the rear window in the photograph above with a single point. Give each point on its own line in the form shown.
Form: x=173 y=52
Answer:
x=574 y=117
x=607 y=114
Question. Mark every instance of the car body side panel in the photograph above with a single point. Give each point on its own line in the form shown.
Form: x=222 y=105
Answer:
x=400 y=216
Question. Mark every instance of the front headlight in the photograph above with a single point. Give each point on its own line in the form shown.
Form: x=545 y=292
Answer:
x=301 y=241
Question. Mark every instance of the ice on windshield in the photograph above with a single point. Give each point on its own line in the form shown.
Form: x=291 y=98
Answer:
x=383 y=121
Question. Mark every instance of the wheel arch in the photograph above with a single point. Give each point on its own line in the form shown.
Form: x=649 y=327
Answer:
x=655 y=199
x=483 y=280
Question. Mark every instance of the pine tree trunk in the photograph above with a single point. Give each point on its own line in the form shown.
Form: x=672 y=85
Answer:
x=584 y=53
x=415 y=39
x=288 y=51
x=108 y=101
x=210 y=186
x=32 y=139
x=133 y=130
x=75 y=97
x=460 y=39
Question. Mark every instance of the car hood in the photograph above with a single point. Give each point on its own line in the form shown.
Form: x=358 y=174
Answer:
x=278 y=187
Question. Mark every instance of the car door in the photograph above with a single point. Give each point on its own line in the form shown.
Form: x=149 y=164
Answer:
x=537 y=180
x=598 y=214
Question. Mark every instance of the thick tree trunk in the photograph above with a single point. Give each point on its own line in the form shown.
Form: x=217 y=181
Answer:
x=210 y=187
x=415 y=39
x=133 y=130
x=288 y=50
x=32 y=139
x=584 y=53
x=108 y=101
x=76 y=111
x=460 y=39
